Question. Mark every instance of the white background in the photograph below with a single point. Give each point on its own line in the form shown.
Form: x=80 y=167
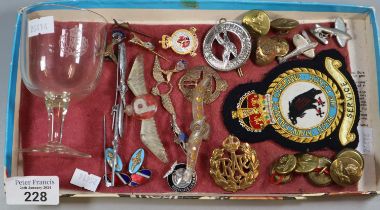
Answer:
x=8 y=10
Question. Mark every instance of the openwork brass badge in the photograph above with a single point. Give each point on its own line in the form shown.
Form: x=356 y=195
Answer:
x=192 y=77
x=307 y=104
x=235 y=166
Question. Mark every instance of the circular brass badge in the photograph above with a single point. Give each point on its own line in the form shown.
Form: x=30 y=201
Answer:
x=286 y=164
x=235 y=166
x=345 y=171
x=257 y=21
x=354 y=154
x=277 y=178
x=268 y=48
x=283 y=24
x=306 y=163
x=321 y=176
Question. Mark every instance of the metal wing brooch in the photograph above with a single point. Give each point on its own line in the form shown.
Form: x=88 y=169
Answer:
x=143 y=107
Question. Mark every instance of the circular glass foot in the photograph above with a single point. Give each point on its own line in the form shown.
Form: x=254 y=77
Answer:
x=58 y=149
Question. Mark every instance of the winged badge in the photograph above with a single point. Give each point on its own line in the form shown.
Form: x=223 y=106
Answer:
x=143 y=107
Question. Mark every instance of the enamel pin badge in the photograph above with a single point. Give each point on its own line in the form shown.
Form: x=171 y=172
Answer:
x=182 y=41
x=136 y=161
x=305 y=105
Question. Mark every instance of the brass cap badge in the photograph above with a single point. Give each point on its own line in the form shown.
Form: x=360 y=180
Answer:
x=235 y=166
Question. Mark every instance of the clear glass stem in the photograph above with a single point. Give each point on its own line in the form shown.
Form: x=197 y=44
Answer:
x=56 y=107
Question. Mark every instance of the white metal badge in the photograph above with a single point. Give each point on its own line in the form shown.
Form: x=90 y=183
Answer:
x=232 y=58
x=32 y=190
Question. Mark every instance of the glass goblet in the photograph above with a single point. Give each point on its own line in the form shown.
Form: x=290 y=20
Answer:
x=61 y=58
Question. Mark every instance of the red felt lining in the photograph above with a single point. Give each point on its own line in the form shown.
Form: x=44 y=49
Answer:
x=83 y=126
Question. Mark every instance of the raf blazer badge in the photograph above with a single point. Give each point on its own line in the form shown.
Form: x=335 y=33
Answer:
x=303 y=104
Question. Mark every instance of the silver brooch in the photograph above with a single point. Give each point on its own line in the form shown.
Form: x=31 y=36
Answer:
x=231 y=58
x=339 y=31
x=303 y=46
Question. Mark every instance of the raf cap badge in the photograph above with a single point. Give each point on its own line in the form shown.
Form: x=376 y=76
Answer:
x=235 y=166
x=181 y=41
x=304 y=104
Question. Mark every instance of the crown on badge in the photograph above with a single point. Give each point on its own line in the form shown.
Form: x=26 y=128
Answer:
x=166 y=41
x=231 y=143
x=253 y=111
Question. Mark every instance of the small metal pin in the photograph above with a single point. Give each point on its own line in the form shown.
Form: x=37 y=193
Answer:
x=106 y=180
x=117 y=38
x=240 y=72
x=171 y=170
x=147 y=45
x=323 y=170
x=127 y=27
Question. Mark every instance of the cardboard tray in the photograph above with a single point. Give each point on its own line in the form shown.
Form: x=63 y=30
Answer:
x=364 y=56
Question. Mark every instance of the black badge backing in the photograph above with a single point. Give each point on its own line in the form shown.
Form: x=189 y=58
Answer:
x=329 y=139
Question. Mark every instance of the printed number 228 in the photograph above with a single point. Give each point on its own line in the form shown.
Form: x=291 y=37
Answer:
x=36 y=196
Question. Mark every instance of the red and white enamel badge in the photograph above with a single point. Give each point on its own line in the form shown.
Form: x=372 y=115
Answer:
x=182 y=41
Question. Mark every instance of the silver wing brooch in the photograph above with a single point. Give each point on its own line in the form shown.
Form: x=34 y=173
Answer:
x=143 y=107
